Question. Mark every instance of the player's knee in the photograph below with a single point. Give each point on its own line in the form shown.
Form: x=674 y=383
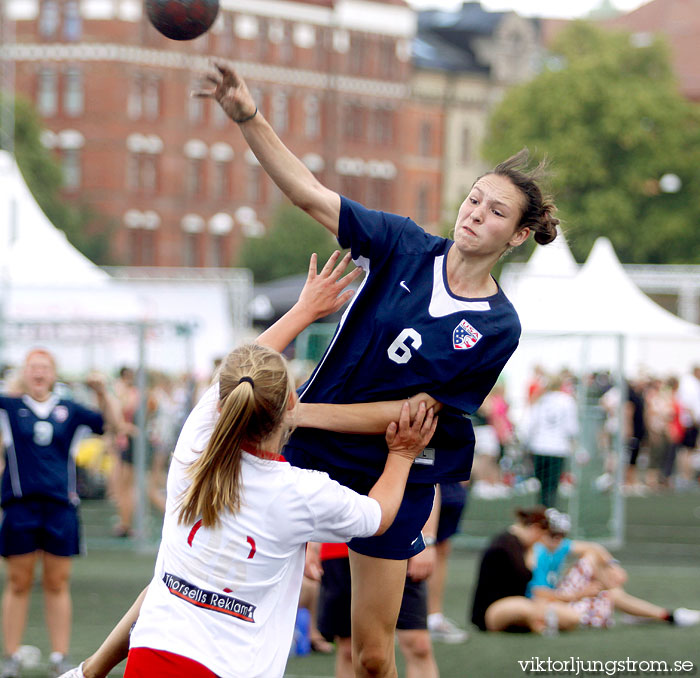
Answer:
x=55 y=582
x=415 y=645
x=19 y=582
x=373 y=660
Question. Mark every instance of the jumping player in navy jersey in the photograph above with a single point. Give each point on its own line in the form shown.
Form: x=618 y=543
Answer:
x=39 y=500
x=428 y=317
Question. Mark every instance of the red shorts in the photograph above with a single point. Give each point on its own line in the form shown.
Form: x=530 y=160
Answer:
x=143 y=662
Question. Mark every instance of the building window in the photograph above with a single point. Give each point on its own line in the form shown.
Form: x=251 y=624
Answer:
x=47 y=100
x=151 y=98
x=387 y=57
x=195 y=108
x=353 y=188
x=219 y=117
x=280 y=112
x=49 y=18
x=192 y=249
x=379 y=194
x=221 y=180
x=383 y=126
x=217 y=250
x=73 y=94
x=422 y=202
x=312 y=117
x=134 y=99
x=133 y=164
x=72 y=175
x=149 y=174
x=358 y=51
x=286 y=46
x=465 y=150
x=263 y=39
x=193 y=177
x=354 y=123
x=425 y=139
x=142 y=173
x=142 y=247
x=72 y=22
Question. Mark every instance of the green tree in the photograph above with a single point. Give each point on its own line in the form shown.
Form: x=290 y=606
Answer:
x=286 y=247
x=609 y=116
x=44 y=178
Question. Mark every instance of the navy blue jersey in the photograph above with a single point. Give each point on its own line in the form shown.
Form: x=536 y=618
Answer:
x=405 y=332
x=39 y=440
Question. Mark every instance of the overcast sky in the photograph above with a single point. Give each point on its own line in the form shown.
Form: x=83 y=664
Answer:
x=543 y=8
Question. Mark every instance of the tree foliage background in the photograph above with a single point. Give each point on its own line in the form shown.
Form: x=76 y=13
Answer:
x=44 y=178
x=286 y=247
x=610 y=118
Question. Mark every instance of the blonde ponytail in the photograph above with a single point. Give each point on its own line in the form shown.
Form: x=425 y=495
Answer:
x=254 y=388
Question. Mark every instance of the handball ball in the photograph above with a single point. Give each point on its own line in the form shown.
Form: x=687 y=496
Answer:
x=182 y=19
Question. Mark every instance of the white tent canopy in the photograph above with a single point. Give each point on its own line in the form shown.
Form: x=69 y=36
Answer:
x=593 y=318
x=90 y=316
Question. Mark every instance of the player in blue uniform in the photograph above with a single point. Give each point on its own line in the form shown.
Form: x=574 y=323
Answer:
x=39 y=500
x=428 y=317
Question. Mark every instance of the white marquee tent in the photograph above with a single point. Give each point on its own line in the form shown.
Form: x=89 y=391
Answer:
x=53 y=295
x=593 y=317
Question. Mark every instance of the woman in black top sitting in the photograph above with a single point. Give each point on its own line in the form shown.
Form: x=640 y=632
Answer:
x=499 y=598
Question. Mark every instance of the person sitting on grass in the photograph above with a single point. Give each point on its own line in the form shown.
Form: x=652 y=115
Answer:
x=593 y=586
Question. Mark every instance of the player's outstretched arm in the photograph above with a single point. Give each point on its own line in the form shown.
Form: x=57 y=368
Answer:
x=323 y=293
x=363 y=418
x=405 y=440
x=284 y=168
x=113 y=650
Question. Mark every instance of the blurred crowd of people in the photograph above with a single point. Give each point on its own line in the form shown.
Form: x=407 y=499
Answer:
x=658 y=421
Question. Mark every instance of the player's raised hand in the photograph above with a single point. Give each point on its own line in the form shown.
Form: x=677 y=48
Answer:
x=324 y=293
x=97 y=382
x=229 y=89
x=408 y=439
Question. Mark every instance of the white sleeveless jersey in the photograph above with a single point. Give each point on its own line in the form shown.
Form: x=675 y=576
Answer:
x=227 y=597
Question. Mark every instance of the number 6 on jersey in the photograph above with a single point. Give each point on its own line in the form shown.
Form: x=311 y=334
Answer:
x=399 y=350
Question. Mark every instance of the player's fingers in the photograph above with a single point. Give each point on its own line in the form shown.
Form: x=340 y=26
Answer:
x=215 y=80
x=391 y=432
x=419 y=418
x=340 y=268
x=203 y=94
x=343 y=299
x=349 y=278
x=431 y=431
x=328 y=266
x=312 y=266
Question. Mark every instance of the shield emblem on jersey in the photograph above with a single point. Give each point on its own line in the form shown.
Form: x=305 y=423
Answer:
x=465 y=336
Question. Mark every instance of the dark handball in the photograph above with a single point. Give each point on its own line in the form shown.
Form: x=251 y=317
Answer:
x=182 y=19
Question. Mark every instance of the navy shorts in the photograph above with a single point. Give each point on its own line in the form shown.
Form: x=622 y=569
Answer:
x=334 y=602
x=453 y=499
x=403 y=539
x=30 y=525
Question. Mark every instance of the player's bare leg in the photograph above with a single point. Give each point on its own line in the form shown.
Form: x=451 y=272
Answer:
x=57 y=601
x=417 y=650
x=377 y=590
x=15 y=599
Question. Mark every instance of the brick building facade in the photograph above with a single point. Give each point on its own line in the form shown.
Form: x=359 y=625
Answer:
x=171 y=171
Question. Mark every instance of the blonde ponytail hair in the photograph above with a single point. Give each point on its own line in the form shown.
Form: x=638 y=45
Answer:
x=254 y=389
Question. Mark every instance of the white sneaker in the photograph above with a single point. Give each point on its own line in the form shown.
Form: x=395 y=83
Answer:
x=77 y=672
x=682 y=616
x=446 y=631
x=11 y=667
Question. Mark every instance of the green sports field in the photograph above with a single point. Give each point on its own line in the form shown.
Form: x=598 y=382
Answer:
x=662 y=557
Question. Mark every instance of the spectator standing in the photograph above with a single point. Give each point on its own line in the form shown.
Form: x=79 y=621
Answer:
x=552 y=431
x=40 y=500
